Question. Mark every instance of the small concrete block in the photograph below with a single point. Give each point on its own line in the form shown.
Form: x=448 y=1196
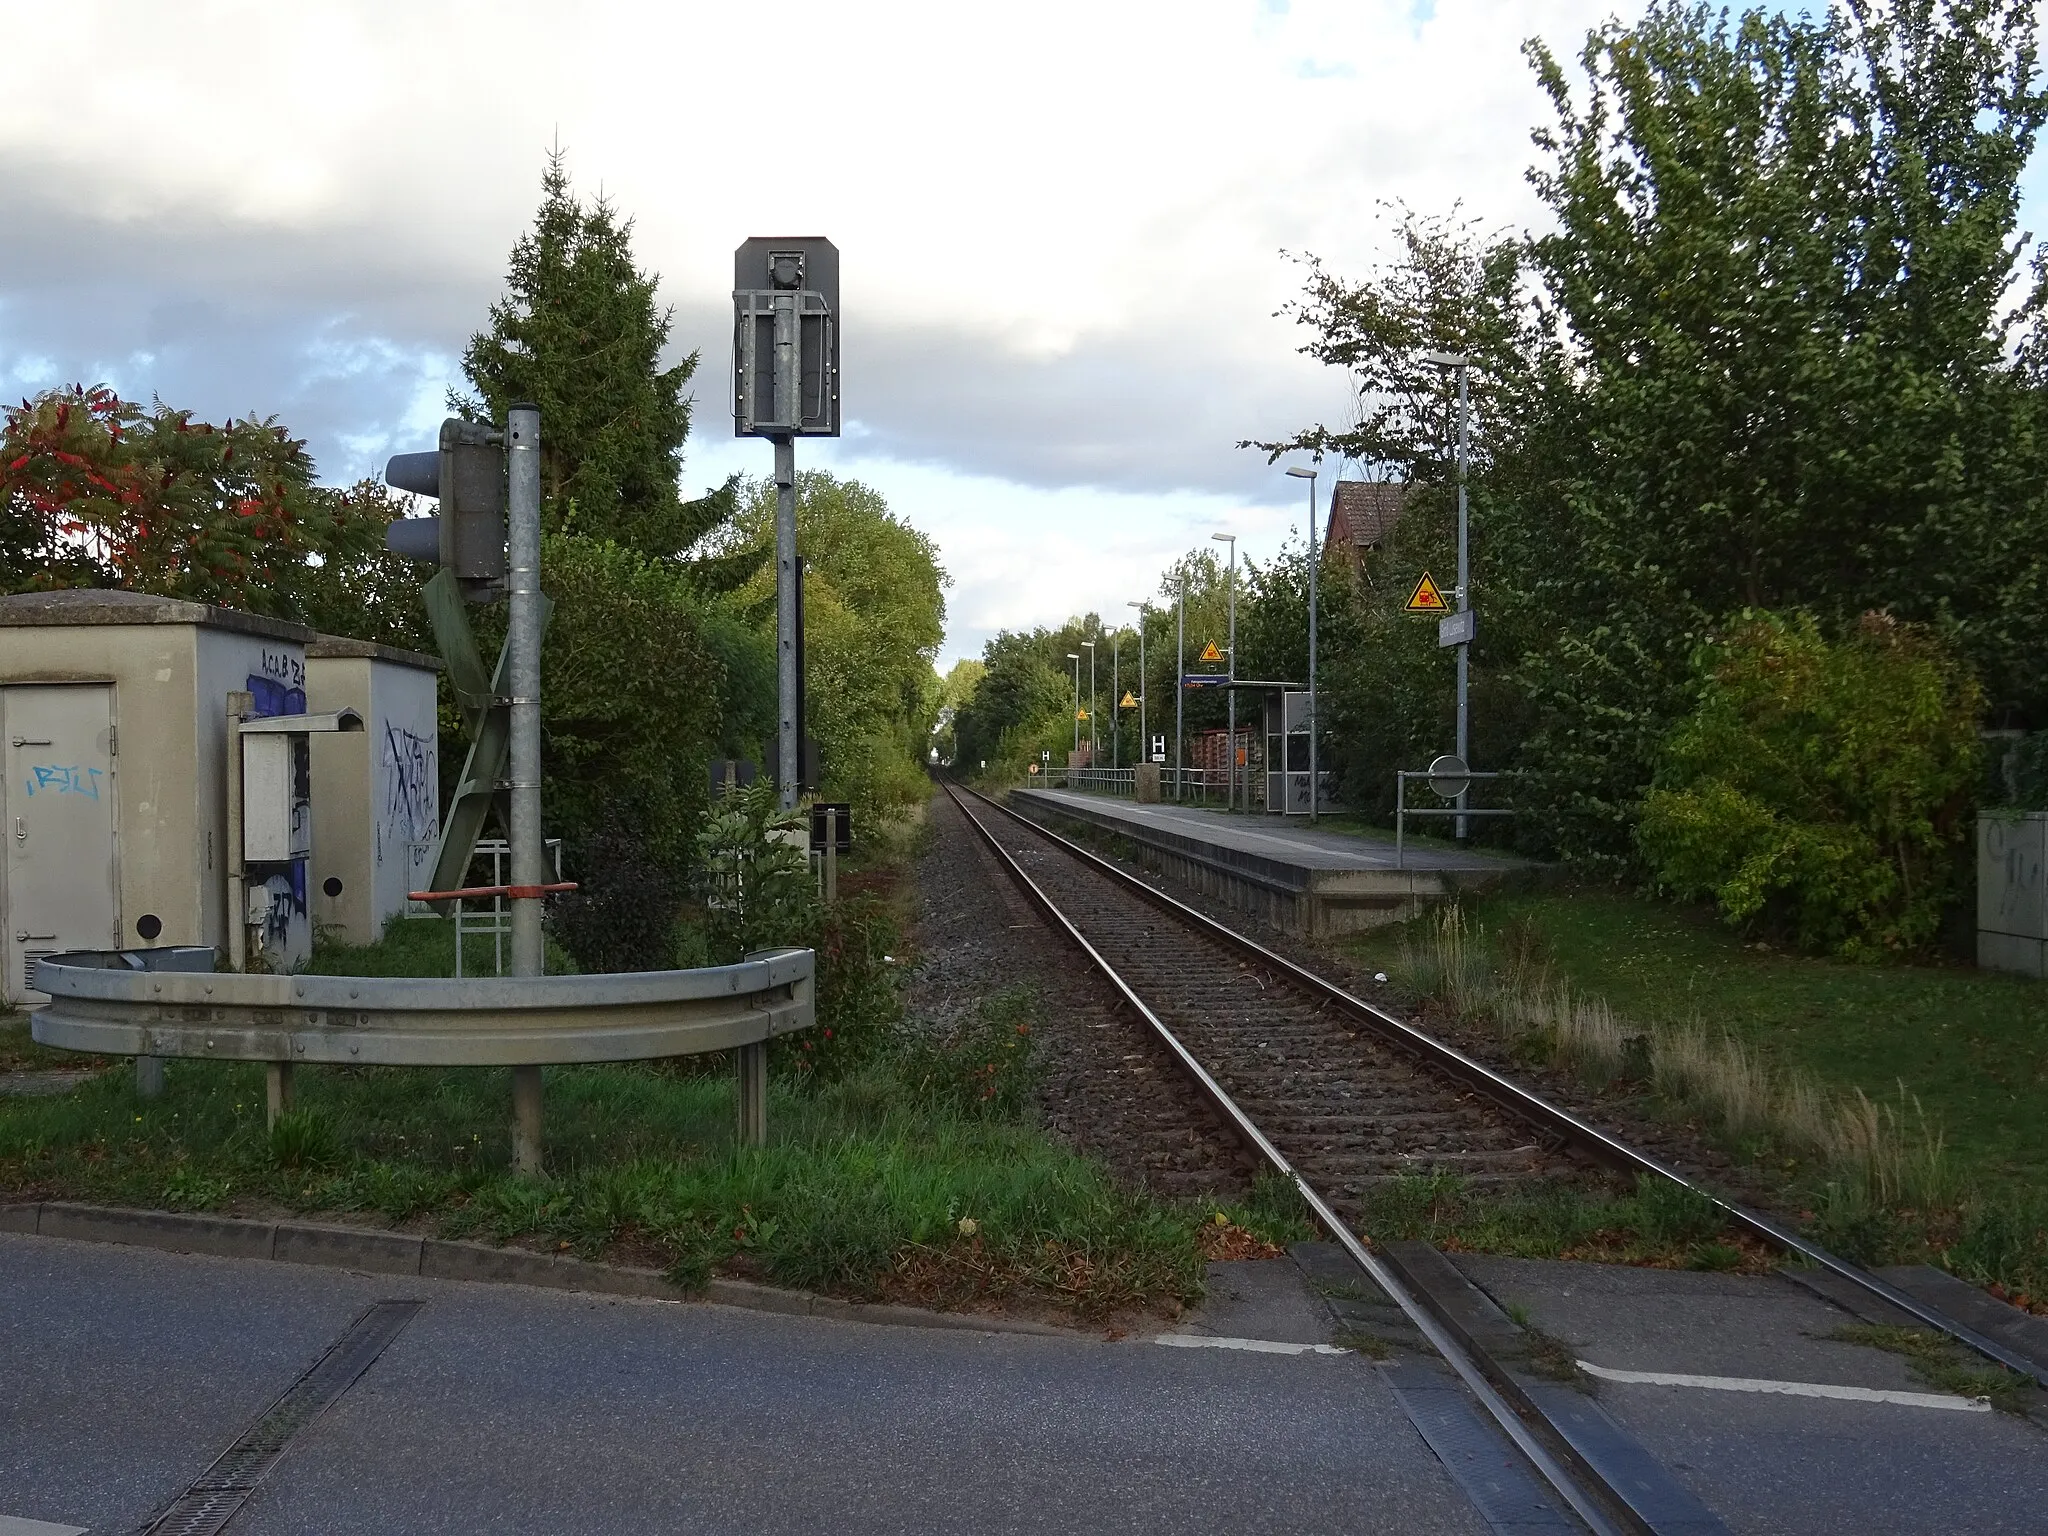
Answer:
x=441 y=1260
x=218 y=1235
x=19 y=1218
x=385 y=1253
x=769 y=1298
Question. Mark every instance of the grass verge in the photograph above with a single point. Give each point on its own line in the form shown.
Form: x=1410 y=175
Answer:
x=911 y=1176
x=1897 y=1109
x=1658 y=1225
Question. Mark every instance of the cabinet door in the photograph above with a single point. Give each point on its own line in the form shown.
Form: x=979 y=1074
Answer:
x=62 y=882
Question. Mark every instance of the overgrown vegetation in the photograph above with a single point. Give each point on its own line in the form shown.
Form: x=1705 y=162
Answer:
x=1891 y=1108
x=908 y=1171
x=901 y=1164
x=869 y=1187
x=1944 y=1365
x=1714 y=1075
x=1818 y=789
x=1658 y=1223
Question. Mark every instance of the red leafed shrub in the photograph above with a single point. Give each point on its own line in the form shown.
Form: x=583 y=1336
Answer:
x=97 y=492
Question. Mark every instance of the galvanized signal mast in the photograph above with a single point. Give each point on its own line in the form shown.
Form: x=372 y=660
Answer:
x=785 y=359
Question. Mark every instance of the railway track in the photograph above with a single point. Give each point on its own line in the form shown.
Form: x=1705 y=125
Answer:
x=1351 y=1110
x=1337 y=1095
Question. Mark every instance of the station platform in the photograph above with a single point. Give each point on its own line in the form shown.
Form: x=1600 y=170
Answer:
x=1297 y=877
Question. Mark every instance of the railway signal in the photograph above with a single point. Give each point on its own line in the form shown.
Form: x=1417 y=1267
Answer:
x=785 y=354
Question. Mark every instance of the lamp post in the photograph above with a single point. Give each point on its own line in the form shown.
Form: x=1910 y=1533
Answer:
x=1144 y=742
x=1180 y=685
x=1230 y=792
x=1089 y=647
x=1462 y=361
x=1315 y=724
x=1116 y=701
x=1075 y=658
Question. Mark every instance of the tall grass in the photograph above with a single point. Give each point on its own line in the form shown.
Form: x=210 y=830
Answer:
x=1876 y=1151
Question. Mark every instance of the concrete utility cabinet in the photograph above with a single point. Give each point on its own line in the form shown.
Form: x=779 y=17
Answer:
x=376 y=793
x=2012 y=907
x=113 y=714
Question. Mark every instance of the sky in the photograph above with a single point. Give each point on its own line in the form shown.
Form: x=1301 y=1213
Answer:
x=1061 y=226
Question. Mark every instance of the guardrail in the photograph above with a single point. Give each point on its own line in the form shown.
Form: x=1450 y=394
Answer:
x=152 y=1003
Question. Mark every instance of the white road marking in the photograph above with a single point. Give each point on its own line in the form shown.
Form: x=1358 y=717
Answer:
x=1789 y=1388
x=14 y=1525
x=1209 y=1341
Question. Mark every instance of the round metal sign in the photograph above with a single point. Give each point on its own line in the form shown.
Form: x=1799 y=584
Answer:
x=1449 y=776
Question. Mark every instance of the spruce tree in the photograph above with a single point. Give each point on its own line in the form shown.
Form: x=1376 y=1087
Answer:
x=580 y=333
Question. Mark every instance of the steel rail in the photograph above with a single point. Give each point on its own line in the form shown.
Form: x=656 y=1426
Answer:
x=1539 y=1455
x=1536 y=1109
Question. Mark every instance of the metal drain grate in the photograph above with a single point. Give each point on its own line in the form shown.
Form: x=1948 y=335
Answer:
x=207 y=1506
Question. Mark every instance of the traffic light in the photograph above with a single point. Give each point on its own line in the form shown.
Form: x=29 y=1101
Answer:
x=467 y=476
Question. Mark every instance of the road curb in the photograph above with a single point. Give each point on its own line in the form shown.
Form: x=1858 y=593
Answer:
x=432 y=1258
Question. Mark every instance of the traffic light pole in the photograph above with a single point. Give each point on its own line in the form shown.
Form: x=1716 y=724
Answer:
x=522 y=639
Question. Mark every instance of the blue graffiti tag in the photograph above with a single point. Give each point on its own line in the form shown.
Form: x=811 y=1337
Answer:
x=60 y=780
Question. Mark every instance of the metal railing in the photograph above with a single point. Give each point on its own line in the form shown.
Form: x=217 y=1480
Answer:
x=152 y=1003
x=493 y=922
x=1183 y=786
x=1403 y=810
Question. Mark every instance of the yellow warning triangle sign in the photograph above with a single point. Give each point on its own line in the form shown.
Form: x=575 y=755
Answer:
x=1080 y=714
x=1427 y=597
x=1128 y=701
x=1211 y=653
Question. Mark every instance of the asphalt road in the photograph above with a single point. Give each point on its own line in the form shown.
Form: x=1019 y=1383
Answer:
x=123 y=1373
x=1769 y=1463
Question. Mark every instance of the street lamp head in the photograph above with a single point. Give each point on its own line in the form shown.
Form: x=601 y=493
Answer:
x=1302 y=474
x=1448 y=359
x=1224 y=538
x=1073 y=655
x=1087 y=645
x=1139 y=606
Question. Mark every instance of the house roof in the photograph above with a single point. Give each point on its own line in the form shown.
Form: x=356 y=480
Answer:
x=103 y=605
x=321 y=647
x=1363 y=512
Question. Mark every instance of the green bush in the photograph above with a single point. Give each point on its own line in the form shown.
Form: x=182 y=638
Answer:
x=756 y=882
x=1820 y=788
